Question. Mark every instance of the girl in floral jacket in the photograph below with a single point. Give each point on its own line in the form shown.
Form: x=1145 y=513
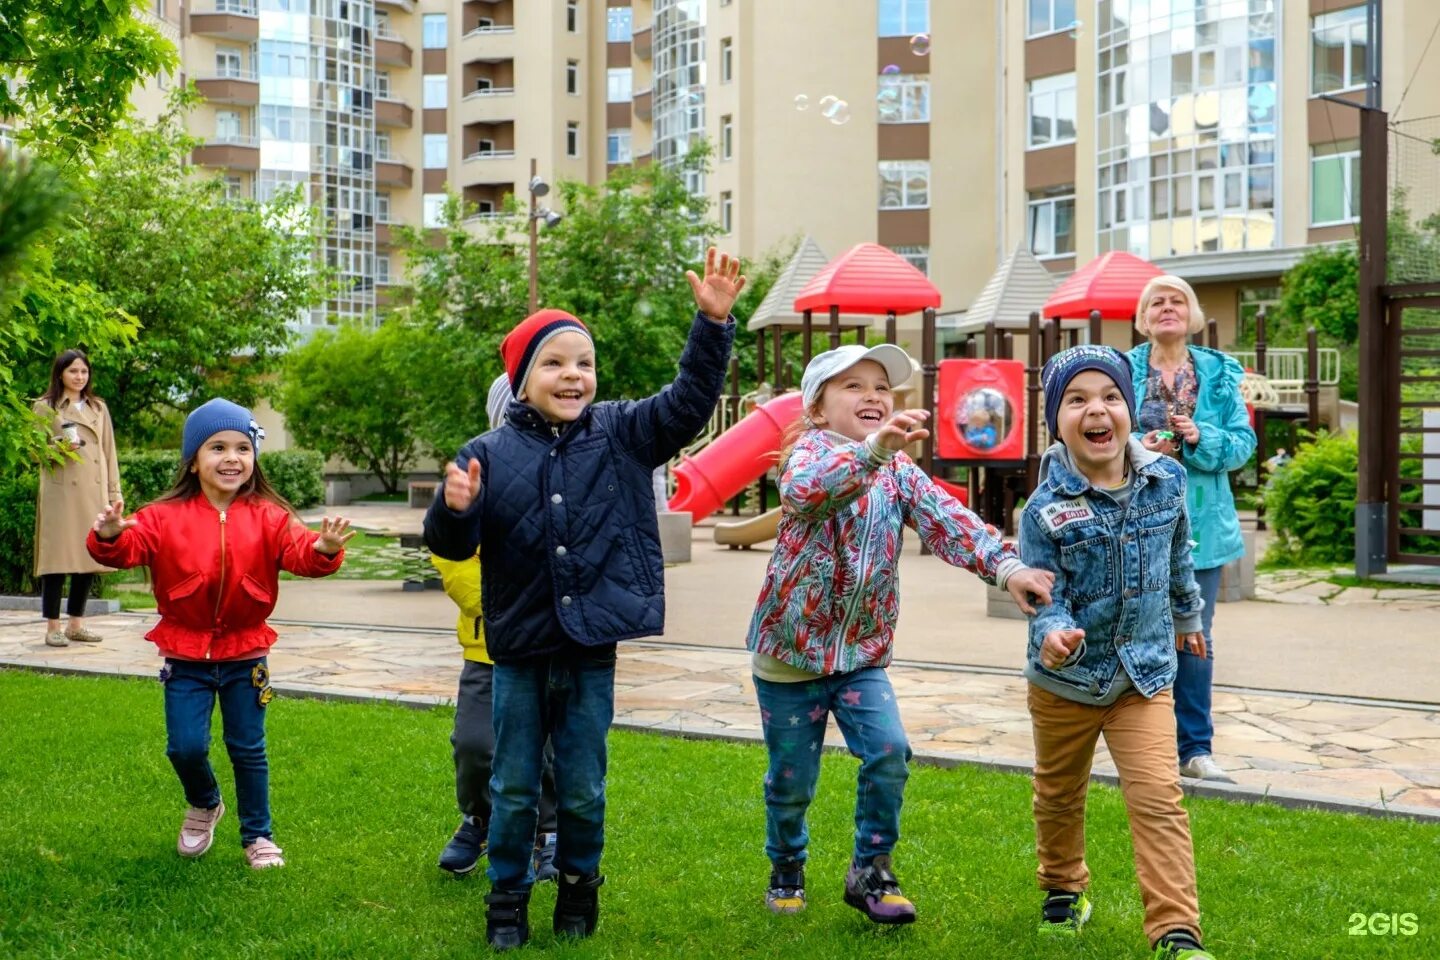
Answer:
x=823 y=628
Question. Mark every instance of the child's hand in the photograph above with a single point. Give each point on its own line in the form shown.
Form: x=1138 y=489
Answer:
x=901 y=429
x=1186 y=428
x=1022 y=583
x=333 y=535
x=461 y=486
x=716 y=294
x=1058 y=646
x=1193 y=642
x=1159 y=441
x=112 y=522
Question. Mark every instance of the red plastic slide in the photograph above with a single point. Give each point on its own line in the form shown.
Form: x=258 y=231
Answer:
x=739 y=455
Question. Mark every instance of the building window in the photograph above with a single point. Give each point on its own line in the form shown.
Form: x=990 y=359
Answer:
x=904 y=184
x=382 y=268
x=619 y=24
x=382 y=83
x=618 y=84
x=1047 y=16
x=572 y=16
x=572 y=139
x=227 y=126
x=917 y=256
x=234 y=188
x=382 y=146
x=617 y=145
x=727 y=137
x=435 y=27
x=7 y=137
x=901 y=18
x=727 y=59
x=229 y=62
x=382 y=206
x=1334 y=183
x=434 y=210
x=437 y=151
x=1339 y=51
x=727 y=211
x=436 y=93
x=904 y=98
x=572 y=76
x=1052 y=110
x=1050 y=224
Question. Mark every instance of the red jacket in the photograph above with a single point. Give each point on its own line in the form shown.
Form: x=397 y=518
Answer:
x=215 y=573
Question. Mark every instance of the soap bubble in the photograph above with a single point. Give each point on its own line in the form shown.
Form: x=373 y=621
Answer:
x=802 y=102
x=1075 y=26
x=826 y=102
x=920 y=44
x=839 y=113
x=890 y=74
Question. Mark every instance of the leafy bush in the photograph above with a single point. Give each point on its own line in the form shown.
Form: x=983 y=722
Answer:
x=146 y=474
x=1310 y=502
x=298 y=475
x=17 y=532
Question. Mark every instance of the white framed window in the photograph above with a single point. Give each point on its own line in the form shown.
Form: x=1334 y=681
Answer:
x=1334 y=183
x=1047 y=16
x=382 y=24
x=617 y=145
x=433 y=214
x=917 y=255
x=572 y=16
x=1050 y=222
x=1052 y=110
x=436 y=92
x=234 y=188
x=382 y=268
x=1339 y=51
x=572 y=139
x=904 y=98
x=727 y=137
x=227 y=126
x=382 y=206
x=382 y=146
x=619 y=24
x=435 y=29
x=727 y=211
x=572 y=76
x=229 y=62
x=727 y=59
x=904 y=184
x=619 y=82
x=484 y=83
x=901 y=18
x=382 y=83
x=437 y=151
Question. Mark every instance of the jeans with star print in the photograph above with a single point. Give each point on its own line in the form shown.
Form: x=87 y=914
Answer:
x=794 y=716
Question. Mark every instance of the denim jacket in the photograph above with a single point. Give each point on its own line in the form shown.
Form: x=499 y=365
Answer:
x=1123 y=576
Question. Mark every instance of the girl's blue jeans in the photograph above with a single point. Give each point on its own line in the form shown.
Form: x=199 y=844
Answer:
x=1194 y=727
x=191 y=689
x=794 y=716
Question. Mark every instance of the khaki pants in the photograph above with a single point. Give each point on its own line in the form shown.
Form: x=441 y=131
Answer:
x=1141 y=736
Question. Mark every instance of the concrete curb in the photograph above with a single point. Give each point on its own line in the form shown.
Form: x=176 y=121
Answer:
x=94 y=607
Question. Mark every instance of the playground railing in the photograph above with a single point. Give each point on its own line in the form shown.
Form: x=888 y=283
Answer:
x=728 y=412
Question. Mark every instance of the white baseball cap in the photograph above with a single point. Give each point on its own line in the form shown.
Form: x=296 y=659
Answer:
x=823 y=366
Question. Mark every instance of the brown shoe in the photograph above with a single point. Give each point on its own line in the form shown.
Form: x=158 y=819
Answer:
x=56 y=638
x=83 y=635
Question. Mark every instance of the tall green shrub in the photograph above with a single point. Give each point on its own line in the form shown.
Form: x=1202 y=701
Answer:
x=1310 y=502
x=298 y=475
x=17 y=532
x=145 y=474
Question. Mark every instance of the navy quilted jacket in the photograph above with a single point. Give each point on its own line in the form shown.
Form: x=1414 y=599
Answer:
x=565 y=521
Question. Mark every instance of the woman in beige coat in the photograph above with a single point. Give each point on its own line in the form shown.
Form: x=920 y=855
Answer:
x=72 y=494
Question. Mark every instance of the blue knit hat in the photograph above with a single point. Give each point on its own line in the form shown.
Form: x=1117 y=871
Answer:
x=213 y=416
x=1064 y=366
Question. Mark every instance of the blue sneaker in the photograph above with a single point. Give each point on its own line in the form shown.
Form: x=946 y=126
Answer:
x=465 y=849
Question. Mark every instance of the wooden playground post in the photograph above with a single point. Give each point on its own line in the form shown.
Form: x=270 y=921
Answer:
x=1097 y=327
x=759 y=356
x=890 y=327
x=834 y=326
x=860 y=335
x=776 y=343
x=928 y=369
x=1032 y=396
x=990 y=340
x=1212 y=333
x=1007 y=346
x=1312 y=378
x=807 y=347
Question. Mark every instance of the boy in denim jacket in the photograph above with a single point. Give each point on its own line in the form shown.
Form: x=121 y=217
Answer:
x=1108 y=519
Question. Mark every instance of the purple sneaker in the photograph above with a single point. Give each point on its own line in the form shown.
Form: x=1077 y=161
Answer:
x=875 y=892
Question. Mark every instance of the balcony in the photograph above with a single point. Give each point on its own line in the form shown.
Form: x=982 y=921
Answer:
x=492 y=43
x=392 y=171
x=496 y=14
x=640 y=44
x=232 y=85
x=393 y=113
x=392 y=50
x=230 y=152
x=227 y=19
x=407 y=5
x=642 y=104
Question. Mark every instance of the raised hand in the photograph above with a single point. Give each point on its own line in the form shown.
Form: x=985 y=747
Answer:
x=1058 y=646
x=1193 y=642
x=113 y=522
x=462 y=486
x=716 y=294
x=1022 y=583
x=333 y=535
x=903 y=427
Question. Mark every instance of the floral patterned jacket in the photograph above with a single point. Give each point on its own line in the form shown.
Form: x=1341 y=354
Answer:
x=830 y=596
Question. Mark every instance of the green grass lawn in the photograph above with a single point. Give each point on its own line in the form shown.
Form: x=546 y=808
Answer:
x=363 y=801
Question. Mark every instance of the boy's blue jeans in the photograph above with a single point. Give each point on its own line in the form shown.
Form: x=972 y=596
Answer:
x=570 y=698
x=1193 y=725
x=191 y=688
x=794 y=716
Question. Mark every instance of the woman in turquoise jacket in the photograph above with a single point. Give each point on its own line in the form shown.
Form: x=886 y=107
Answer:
x=1189 y=406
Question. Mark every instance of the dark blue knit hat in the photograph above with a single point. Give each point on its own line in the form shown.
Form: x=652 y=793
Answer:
x=213 y=416
x=1063 y=367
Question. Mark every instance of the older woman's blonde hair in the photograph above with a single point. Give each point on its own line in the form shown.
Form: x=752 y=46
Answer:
x=1168 y=282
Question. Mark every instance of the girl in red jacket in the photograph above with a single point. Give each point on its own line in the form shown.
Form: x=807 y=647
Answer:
x=215 y=545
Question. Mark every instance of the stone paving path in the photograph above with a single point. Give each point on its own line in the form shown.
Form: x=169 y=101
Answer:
x=1294 y=749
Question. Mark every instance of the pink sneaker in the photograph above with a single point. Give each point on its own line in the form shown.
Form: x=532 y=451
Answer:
x=198 y=830
x=262 y=854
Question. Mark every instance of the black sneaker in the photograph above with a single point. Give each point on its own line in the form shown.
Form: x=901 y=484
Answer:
x=577 y=905
x=507 y=919
x=1180 y=945
x=787 y=889
x=1064 y=913
x=874 y=891
x=465 y=849
x=544 y=862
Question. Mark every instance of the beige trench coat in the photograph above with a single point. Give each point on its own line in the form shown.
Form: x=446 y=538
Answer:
x=72 y=494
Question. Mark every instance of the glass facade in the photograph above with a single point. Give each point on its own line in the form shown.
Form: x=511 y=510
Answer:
x=1186 y=126
x=679 y=85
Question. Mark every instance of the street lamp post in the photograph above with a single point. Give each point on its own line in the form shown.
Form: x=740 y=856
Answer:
x=538 y=188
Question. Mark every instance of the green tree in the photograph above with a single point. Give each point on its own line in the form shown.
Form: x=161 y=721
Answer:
x=351 y=394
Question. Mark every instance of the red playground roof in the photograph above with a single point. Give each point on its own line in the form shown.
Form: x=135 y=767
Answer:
x=1111 y=283
x=868 y=278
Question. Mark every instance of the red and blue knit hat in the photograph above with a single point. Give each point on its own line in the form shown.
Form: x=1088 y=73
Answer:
x=1060 y=369
x=522 y=345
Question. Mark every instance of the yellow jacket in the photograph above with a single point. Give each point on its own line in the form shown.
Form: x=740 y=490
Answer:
x=462 y=583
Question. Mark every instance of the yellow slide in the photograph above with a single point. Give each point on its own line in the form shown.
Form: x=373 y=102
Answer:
x=742 y=534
